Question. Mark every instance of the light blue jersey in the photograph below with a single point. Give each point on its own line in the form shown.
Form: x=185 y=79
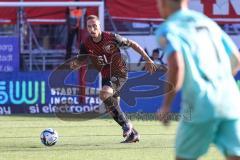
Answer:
x=209 y=90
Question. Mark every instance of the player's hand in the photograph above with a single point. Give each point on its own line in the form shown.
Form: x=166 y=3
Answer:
x=150 y=66
x=163 y=115
x=74 y=64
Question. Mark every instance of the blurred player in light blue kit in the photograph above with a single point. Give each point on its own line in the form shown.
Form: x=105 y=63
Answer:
x=202 y=60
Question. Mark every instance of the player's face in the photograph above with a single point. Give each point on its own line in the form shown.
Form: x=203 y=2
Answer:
x=155 y=55
x=161 y=7
x=93 y=27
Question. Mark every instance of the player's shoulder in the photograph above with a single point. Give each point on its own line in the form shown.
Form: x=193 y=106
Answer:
x=203 y=20
x=108 y=34
x=176 y=23
x=86 y=40
x=198 y=17
x=165 y=28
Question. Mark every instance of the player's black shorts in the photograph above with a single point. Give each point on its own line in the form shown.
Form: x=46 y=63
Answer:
x=106 y=82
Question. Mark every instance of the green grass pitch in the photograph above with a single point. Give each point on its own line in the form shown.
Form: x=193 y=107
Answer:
x=86 y=140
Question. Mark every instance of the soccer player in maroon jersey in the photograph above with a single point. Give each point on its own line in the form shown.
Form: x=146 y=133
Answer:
x=104 y=51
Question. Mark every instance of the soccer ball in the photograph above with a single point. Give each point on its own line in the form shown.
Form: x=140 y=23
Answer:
x=49 y=137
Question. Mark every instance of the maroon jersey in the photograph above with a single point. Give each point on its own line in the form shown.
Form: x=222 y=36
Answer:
x=105 y=55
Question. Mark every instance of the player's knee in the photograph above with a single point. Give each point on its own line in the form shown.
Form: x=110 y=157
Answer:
x=106 y=92
x=111 y=102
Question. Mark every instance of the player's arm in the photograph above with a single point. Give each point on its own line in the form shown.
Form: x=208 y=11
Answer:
x=124 y=42
x=232 y=51
x=235 y=62
x=81 y=57
x=134 y=45
x=175 y=76
x=150 y=66
x=172 y=48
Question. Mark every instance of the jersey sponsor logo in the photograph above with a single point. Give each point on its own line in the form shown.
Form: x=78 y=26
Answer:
x=110 y=48
x=19 y=92
x=90 y=51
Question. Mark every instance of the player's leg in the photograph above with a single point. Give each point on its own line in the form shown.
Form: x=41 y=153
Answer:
x=111 y=99
x=228 y=139
x=112 y=106
x=112 y=103
x=128 y=130
x=193 y=139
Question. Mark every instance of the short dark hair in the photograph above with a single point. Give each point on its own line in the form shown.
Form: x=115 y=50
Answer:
x=90 y=17
x=156 y=51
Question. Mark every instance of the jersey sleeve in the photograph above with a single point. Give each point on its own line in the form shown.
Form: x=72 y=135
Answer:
x=228 y=44
x=122 y=41
x=168 y=42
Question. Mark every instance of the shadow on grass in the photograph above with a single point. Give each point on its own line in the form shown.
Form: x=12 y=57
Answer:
x=139 y=116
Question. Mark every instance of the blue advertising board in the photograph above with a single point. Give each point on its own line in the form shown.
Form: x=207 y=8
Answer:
x=9 y=53
x=30 y=93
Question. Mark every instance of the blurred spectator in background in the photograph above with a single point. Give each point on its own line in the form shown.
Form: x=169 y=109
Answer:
x=74 y=15
x=157 y=56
